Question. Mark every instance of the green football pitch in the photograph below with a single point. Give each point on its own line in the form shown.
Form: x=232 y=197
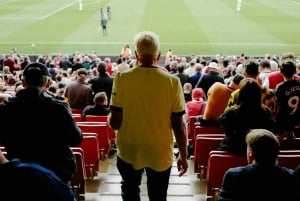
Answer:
x=201 y=27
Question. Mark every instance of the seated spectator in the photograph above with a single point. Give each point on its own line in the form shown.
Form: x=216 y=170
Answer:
x=197 y=106
x=30 y=181
x=217 y=98
x=288 y=96
x=187 y=91
x=98 y=108
x=249 y=113
x=78 y=93
x=267 y=96
x=262 y=179
x=45 y=129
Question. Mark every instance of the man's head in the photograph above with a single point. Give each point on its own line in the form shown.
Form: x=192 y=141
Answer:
x=235 y=82
x=213 y=66
x=288 y=69
x=101 y=67
x=36 y=74
x=251 y=69
x=262 y=147
x=100 y=98
x=147 y=48
x=81 y=74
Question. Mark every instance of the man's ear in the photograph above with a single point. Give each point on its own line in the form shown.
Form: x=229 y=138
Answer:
x=250 y=155
x=49 y=82
x=137 y=56
x=158 y=56
x=23 y=82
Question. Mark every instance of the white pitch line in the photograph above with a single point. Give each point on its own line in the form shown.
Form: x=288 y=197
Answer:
x=57 y=10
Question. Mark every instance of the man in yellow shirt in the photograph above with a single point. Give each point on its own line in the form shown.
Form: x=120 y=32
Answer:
x=147 y=108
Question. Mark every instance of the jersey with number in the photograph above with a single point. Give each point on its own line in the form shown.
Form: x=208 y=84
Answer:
x=288 y=98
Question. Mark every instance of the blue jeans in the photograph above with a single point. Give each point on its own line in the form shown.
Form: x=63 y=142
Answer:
x=157 y=182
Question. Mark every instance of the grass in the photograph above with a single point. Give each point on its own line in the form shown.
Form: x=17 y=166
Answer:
x=187 y=26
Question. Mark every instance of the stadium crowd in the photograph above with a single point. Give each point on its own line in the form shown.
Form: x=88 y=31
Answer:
x=77 y=78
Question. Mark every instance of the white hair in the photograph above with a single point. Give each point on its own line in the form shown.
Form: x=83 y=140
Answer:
x=147 y=43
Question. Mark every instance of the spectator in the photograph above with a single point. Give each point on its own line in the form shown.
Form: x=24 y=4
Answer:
x=78 y=93
x=168 y=56
x=296 y=192
x=45 y=127
x=195 y=78
x=173 y=67
x=209 y=78
x=98 y=108
x=180 y=73
x=268 y=97
x=190 y=70
x=276 y=77
x=264 y=69
x=3 y=96
x=262 y=179
x=141 y=118
x=126 y=52
x=249 y=113
x=217 y=98
x=123 y=65
x=187 y=92
x=288 y=96
x=103 y=82
x=197 y=106
x=30 y=181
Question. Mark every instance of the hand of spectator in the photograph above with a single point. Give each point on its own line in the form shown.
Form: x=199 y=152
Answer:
x=182 y=165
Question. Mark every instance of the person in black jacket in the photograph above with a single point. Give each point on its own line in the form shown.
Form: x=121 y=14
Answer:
x=39 y=128
x=103 y=82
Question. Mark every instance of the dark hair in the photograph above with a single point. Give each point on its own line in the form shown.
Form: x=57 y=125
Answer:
x=250 y=94
x=288 y=68
x=251 y=67
x=265 y=63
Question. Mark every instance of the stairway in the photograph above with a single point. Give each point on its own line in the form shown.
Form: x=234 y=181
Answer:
x=106 y=185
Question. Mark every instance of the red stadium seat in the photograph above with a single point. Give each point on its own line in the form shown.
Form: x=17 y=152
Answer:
x=289 y=143
x=78 y=182
x=218 y=164
x=291 y=160
x=207 y=130
x=203 y=146
x=103 y=135
x=96 y=118
x=90 y=146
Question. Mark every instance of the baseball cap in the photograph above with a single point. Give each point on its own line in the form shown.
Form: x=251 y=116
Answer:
x=36 y=69
x=213 y=65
